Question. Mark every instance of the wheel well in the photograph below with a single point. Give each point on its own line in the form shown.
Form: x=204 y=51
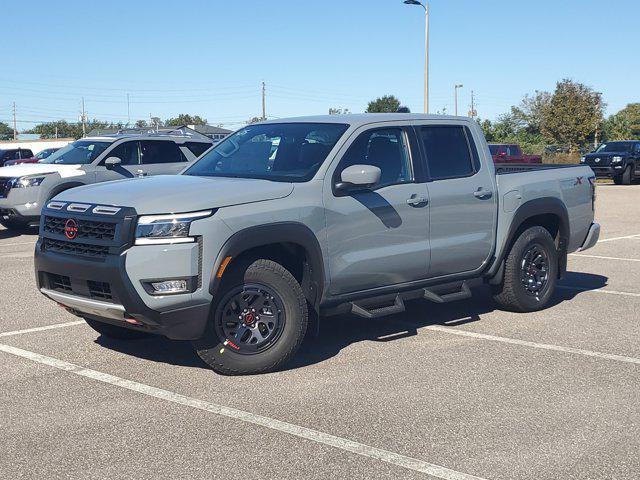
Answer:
x=548 y=221
x=291 y=256
x=61 y=188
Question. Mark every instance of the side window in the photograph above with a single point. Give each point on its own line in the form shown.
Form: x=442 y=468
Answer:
x=447 y=151
x=16 y=155
x=156 y=151
x=127 y=152
x=383 y=148
x=197 y=148
x=637 y=147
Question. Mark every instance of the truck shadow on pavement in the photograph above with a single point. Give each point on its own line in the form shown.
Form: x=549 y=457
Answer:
x=337 y=333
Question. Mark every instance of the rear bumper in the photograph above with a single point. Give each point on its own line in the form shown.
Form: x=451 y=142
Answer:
x=592 y=237
x=183 y=320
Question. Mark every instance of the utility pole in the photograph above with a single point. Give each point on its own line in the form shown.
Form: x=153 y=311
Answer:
x=264 y=102
x=128 y=112
x=56 y=132
x=15 y=130
x=598 y=114
x=83 y=119
x=455 y=95
x=472 y=112
x=425 y=6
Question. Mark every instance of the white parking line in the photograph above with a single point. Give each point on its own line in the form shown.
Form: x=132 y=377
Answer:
x=599 y=290
x=542 y=346
x=247 y=417
x=42 y=329
x=605 y=258
x=618 y=238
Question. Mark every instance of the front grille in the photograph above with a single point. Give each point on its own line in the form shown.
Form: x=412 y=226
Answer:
x=99 y=290
x=60 y=282
x=69 y=248
x=87 y=229
x=5 y=186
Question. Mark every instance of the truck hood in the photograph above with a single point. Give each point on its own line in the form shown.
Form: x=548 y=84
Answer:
x=23 y=169
x=177 y=193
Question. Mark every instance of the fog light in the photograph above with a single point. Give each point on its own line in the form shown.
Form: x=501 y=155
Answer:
x=170 y=286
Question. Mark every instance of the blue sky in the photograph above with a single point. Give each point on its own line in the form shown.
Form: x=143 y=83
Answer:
x=209 y=57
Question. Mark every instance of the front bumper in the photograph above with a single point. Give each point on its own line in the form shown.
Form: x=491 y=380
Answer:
x=592 y=237
x=607 y=171
x=183 y=319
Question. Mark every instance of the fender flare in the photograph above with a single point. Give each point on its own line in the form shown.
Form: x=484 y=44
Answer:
x=280 y=232
x=533 y=208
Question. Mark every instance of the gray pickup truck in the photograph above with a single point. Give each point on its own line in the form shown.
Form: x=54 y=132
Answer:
x=289 y=220
x=25 y=188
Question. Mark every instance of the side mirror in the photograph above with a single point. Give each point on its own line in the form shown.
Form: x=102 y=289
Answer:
x=112 y=162
x=358 y=178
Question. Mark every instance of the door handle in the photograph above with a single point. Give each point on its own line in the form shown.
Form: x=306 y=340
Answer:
x=415 y=200
x=141 y=173
x=481 y=193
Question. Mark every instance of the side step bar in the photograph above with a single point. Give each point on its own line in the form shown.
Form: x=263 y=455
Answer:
x=371 y=308
x=465 y=292
x=364 y=312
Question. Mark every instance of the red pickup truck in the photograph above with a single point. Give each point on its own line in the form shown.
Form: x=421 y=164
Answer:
x=510 y=153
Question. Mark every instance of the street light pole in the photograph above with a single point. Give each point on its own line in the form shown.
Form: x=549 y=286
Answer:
x=425 y=6
x=455 y=96
x=598 y=96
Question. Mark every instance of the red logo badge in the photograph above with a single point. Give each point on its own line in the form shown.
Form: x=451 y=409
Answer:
x=71 y=229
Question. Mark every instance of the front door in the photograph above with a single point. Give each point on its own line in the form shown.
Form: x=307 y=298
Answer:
x=378 y=237
x=462 y=199
x=129 y=154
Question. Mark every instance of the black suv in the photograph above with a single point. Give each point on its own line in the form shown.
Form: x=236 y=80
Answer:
x=617 y=160
x=14 y=154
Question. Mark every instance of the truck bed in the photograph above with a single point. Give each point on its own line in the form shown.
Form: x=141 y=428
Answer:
x=502 y=169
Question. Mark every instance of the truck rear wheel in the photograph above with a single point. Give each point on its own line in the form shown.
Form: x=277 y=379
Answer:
x=258 y=322
x=530 y=273
x=627 y=176
x=112 y=331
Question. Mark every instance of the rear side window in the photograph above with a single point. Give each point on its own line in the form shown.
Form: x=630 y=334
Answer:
x=447 y=150
x=197 y=148
x=26 y=153
x=160 y=152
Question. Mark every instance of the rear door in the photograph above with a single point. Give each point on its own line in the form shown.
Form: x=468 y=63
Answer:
x=462 y=199
x=161 y=157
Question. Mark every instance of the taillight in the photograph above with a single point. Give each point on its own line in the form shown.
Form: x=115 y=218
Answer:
x=592 y=182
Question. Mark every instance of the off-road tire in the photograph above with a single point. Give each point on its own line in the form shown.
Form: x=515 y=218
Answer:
x=617 y=179
x=627 y=176
x=512 y=294
x=221 y=357
x=114 y=332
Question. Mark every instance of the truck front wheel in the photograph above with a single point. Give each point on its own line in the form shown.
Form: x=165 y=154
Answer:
x=258 y=321
x=530 y=273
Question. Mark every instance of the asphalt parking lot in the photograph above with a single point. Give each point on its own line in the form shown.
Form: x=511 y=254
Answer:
x=454 y=391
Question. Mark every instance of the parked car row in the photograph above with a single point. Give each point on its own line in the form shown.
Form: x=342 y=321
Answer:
x=511 y=153
x=26 y=188
x=286 y=221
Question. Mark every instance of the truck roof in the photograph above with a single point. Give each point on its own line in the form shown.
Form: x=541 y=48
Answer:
x=356 y=119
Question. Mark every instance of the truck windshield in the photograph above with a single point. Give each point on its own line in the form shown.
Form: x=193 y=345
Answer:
x=81 y=152
x=285 y=152
x=494 y=149
x=614 y=147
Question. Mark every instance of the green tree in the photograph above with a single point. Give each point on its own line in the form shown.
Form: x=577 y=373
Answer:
x=571 y=115
x=529 y=114
x=386 y=104
x=624 y=125
x=141 y=124
x=185 y=119
x=6 y=132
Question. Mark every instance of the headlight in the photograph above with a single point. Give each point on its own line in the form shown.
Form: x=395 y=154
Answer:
x=616 y=159
x=24 y=182
x=583 y=159
x=173 y=228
